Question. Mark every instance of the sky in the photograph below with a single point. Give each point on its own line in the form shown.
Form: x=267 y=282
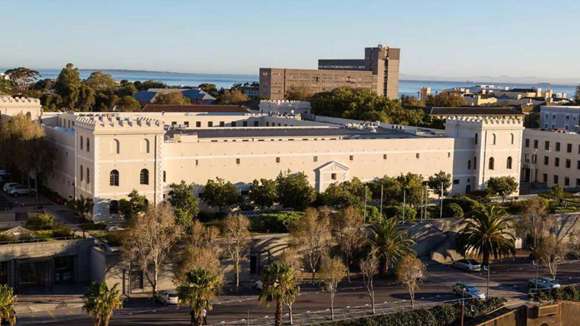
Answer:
x=451 y=38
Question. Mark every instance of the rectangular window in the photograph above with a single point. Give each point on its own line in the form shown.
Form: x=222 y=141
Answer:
x=233 y=123
x=568 y=163
x=545 y=177
x=417 y=155
x=546 y=160
x=82 y=172
x=196 y=162
x=81 y=142
x=569 y=148
x=198 y=124
x=315 y=159
x=384 y=156
x=527 y=142
x=557 y=146
x=557 y=161
x=277 y=160
x=577 y=182
x=222 y=124
x=455 y=181
x=245 y=123
x=566 y=181
x=351 y=158
x=256 y=123
x=88 y=176
x=547 y=145
x=173 y=123
x=333 y=176
x=535 y=143
x=88 y=145
x=556 y=179
x=237 y=161
x=210 y=123
x=186 y=124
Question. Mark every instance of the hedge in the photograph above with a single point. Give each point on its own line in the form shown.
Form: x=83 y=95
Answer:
x=441 y=315
x=568 y=293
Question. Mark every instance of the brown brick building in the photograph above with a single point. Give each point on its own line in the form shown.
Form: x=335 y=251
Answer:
x=378 y=71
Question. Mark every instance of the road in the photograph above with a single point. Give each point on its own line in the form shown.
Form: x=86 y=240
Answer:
x=508 y=280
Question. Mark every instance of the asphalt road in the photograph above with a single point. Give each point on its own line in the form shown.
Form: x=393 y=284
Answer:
x=508 y=280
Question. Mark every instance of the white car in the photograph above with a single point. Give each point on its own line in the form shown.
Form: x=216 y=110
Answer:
x=468 y=291
x=169 y=297
x=19 y=190
x=6 y=187
x=469 y=265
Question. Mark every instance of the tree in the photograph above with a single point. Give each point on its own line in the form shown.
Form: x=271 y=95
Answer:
x=233 y=96
x=127 y=103
x=391 y=242
x=445 y=99
x=348 y=228
x=182 y=198
x=236 y=235
x=263 y=193
x=197 y=291
x=311 y=233
x=412 y=188
x=410 y=272
x=558 y=194
x=369 y=268
x=550 y=252
x=86 y=99
x=7 y=302
x=100 y=81
x=22 y=77
x=347 y=193
x=175 y=98
x=151 y=239
x=200 y=251
x=502 y=186
x=279 y=285
x=68 y=85
x=220 y=193
x=332 y=271
x=136 y=205
x=100 y=302
x=439 y=183
x=294 y=190
x=298 y=93
x=211 y=89
x=487 y=232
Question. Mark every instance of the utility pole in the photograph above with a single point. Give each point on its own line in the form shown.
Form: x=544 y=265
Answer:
x=441 y=204
x=381 y=206
x=462 y=306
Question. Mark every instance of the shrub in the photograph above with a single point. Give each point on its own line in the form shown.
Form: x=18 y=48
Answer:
x=453 y=210
x=397 y=211
x=62 y=231
x=273 y=222
x=570 y=293
x=42 y=221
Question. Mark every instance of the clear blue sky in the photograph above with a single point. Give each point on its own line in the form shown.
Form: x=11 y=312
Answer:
x=444 y=37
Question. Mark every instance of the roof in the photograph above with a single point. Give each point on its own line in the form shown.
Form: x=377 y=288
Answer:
x=476 y=110
x=194 y=108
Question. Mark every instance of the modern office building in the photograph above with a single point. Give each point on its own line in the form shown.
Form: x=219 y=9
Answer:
x=560 y=117
x=104 y=156
x=551 y=158
x=378 y=72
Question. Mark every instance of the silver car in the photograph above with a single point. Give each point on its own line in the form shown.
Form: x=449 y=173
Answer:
x=468 y=291
x=469 y=265
x=19 y=190
x=169 y=297
x=543 y=283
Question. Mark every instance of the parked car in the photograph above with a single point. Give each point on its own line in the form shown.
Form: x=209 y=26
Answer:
x=469 y=265
x=468 y=291
x=168 y=297
x=20 y=190
x=8 y=185
x=543 y=283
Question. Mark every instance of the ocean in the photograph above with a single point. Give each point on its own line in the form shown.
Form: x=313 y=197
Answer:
x=406 y=87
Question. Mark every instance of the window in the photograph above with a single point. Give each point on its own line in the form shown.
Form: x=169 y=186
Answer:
x=333 y=176
x=256 y=123
x=568 y=163
x=547 y=145
x=475 y=162
x=384 y=156
x=569 y=148
x=536 y=143
x=475 y=138
x=234 y=124
x=566 y=181
x=469 y=164
x=164 y=176
x=513 y=138
x=493 y=139
x=82 y=170
x=315 y=159
x=237 y=161
x=351 y=157
x=578 y=165
x=144 y=177
x=116 y=147
x=577 y=182
x=455 y=181
x=88 y=176
x=186 y=124
x=114 y=178
x=557 y=146
x=527 y=142
x=245 y=123
x=546 y=160
x=417 y=155
x=491 y=163
x=81 y=142
x=509 y=163
x=557 y=161
x=198 y=124
x=146 y=145
x=556 y=179
x=545 y=177
x=222 y=124
x=173 y=124
x=210 y=123
x=88 y=145
x=277 y=160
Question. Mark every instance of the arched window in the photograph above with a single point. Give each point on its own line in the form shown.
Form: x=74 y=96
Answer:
x=146 y=145
x=88 y=144
x=116 y=146
x=493 y=139
x=81 y=142
x=513 y=138
x=509 y=162
x=114 y=178
x=144 y=177
x=475 y=138
x=469 y=164
x=491 y=163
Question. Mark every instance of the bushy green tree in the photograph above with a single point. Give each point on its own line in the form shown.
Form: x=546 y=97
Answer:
x=440 y=182
x=391 y=242
x=294 y=190
x=197 y=291
x=135 y=205
x=263 y=193
x=280 y=285
x=445 y=99
x=501 y=186
x=127 y=103
x=99 y=81
x=184 y=202
x=100 y=302
x=175 y=98
x=221 y=194
x=7 y=302
x=68 y=85
x=22 y=78
x=345 y=194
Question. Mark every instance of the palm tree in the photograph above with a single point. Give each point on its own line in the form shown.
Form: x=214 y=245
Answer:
x=198 y=289
x=100 y=302
x=7 y=299
x=391 y=242
x=280 y=285
x=488 y=231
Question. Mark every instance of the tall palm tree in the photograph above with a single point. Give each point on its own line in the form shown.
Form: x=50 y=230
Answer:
x=487 y=232
x=7 y=299
x=100 y=302
x=391 y=242
x=279 y=285
x=198 y=289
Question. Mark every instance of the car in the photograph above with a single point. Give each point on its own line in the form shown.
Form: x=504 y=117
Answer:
x=468 y=291
x=543 y=283
x=168 y=297
x=6 y=187
x=469 y=265
x=19 y=190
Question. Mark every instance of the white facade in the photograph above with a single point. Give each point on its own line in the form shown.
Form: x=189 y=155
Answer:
x=105 y=156
x=12 y=106
x=560 y=117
